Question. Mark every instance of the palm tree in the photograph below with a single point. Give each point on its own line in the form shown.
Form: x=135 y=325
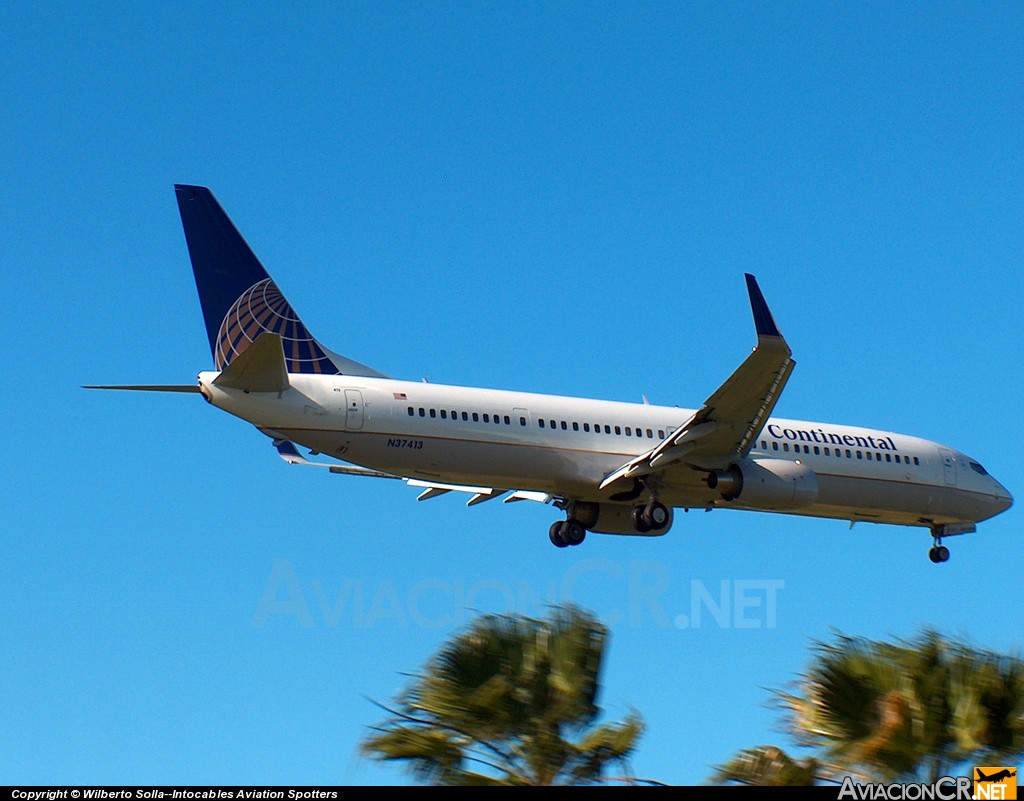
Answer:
x=909 y=710
x=511 y=700
x=768 y=766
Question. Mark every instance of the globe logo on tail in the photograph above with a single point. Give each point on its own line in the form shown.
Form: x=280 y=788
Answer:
x=261 y=308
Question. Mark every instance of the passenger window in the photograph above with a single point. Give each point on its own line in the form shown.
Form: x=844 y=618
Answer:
x=411 y=411
x=888 y=457
x=618 y=431
x=878 y=457
x=508 y=420
x=455 y=415
x=423 y=412
x=650 y=434
x=764 y=445
x=775 y=446
x=849 y=454
x=465 y=415
x=586 y=427
x=869 y=456
x=433 y=412
x=629 y=431
x=575 y=426
x=522 y=421
x=827 y=453
x=916 y=460
x=487 y=417
x=785 y=447
x=565 y=426
x=817 y=450
x=860 y=454
x=661 y=434
x=444 y=414
x=540 y=422
x=607 y=429
x=553 y=424
x=476 y=417
x=897 y=458
x=597 y=428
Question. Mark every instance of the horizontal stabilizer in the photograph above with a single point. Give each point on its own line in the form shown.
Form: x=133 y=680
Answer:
x=147 y=387
x=258 y=368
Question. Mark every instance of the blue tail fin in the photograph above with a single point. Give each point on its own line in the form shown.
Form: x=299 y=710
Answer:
x=240 y=300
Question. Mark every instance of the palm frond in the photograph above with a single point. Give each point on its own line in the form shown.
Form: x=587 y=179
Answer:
x=767 y=766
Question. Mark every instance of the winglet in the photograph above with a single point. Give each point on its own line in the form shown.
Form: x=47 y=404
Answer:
x=763 y=320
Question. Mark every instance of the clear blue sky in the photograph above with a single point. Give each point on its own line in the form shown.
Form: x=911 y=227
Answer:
x=550 y=197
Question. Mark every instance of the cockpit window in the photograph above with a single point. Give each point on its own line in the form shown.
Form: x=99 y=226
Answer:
x=977 y=468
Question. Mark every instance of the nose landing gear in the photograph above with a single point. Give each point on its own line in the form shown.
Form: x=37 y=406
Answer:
x=940 y=553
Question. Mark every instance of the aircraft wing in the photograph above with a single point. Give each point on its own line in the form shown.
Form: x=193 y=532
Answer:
x=431 y=489
x=725 y=427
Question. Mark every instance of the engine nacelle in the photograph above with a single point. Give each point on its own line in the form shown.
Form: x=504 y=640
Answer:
x=612 y=518
x=767 y=484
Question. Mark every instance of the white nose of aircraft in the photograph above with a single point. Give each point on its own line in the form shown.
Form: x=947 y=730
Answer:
x=1002 y=500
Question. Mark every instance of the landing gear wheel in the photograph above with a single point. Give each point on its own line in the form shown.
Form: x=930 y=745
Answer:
x=638 y=520
x=573 y=532
x=655 y=516
x=555 y=534
x=939 y=554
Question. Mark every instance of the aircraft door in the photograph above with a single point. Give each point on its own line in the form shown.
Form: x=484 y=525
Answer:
x=948 y=467
x=353 y=409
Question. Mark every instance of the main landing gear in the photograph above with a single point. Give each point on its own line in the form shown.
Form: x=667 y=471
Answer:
x=621 y=519
x=564 y=533
x=939 y=553
x=652 y=517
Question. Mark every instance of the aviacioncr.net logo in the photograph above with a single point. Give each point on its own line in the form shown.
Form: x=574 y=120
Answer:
x=997 y=784
x=948 y=788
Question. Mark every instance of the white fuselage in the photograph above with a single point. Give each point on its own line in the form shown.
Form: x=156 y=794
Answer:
x=565 y=447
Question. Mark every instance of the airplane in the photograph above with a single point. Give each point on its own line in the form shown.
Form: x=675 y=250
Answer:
x=611 y=467
x=998 y=776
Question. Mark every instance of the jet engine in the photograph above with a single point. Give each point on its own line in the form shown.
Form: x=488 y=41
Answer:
x=766 y=484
